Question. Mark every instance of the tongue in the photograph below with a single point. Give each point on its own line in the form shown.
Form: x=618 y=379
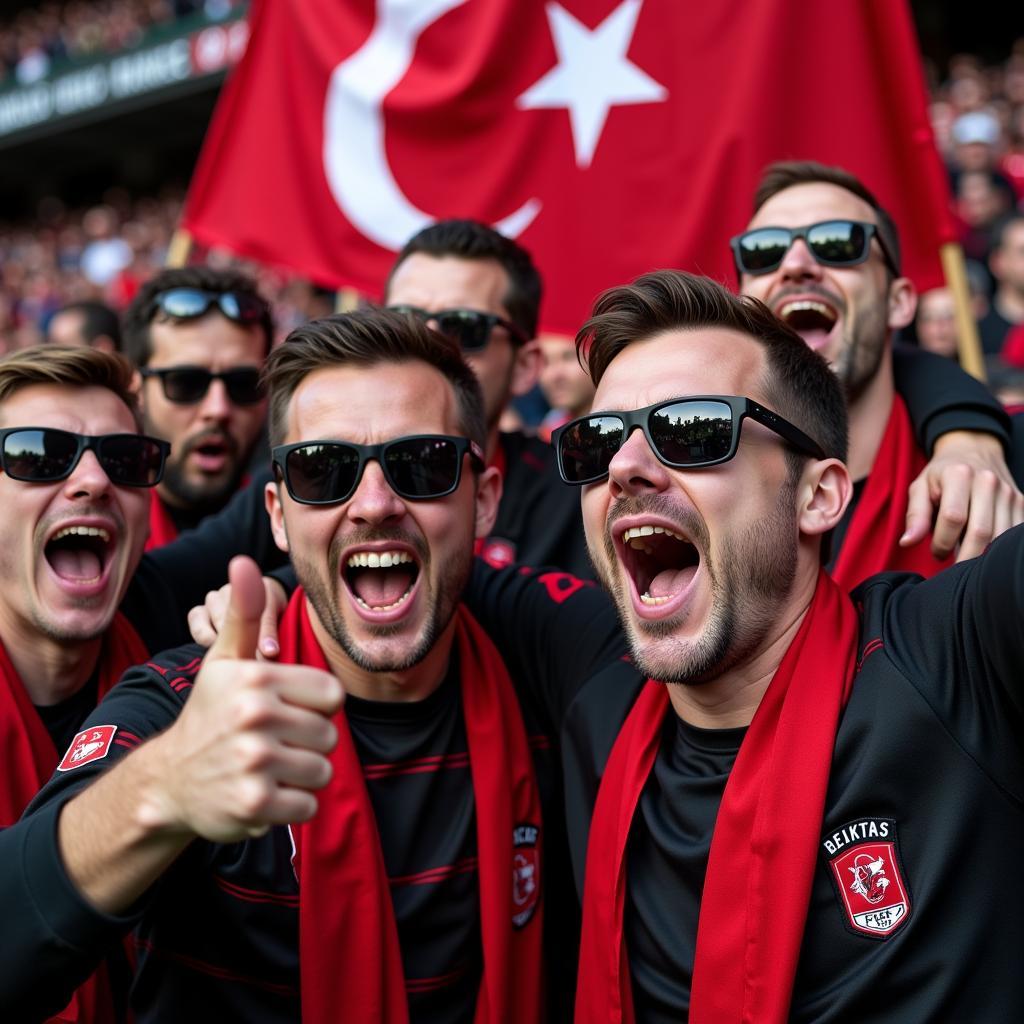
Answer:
x=75 y=563
x=381 y=587
x=671 y=581
x=815 y=338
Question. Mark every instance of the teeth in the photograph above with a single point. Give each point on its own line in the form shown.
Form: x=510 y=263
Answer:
x=378 y=559
x=381 y=607
x=83 y=531
x=647 y=599
x=634 y=532
x=806 y=305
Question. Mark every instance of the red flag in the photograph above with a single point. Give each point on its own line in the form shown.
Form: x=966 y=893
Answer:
x=610 y=137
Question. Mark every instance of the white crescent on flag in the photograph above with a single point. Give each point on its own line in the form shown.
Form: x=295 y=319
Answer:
x=355 y=161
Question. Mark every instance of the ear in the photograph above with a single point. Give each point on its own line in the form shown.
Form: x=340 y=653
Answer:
x=526 y=368
x=137 y=388
x=275 y=509
x=824 y=492
x=902 y=303
x=104 y=343
x=488 y=494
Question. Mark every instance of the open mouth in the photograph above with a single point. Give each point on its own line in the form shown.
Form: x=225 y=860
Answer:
x=211 y=454
x=79 y=554
x=812 y=319
x=661 y=563
x=381 y=581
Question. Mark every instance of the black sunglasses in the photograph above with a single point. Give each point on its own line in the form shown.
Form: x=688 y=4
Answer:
x=469 y=327
x=186 y=385
x=417 y=467
x=189 y=303
x=44 y=455
x=684 y=433
x=833 y=243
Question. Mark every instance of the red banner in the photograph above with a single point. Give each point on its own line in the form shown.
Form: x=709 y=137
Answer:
x=610 y=137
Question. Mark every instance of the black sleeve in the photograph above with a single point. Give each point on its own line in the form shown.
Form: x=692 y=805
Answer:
x=959 y=637
x=54 y=938
x=940 y=397
x=173 y=579
x=553 y=631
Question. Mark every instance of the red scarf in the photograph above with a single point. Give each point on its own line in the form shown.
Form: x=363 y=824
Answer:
x=161 y=526
x=30 y=758
x=750 y=928
x=871 y=543
x=348 y=939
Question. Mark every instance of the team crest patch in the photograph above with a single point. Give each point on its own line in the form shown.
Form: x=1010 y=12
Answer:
x=525 y=873
x=867 y=875
x=498 y=553
x=89 y=745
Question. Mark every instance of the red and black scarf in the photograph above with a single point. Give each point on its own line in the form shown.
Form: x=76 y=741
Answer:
x=871 y=544
x=750 y=928
x=31 y=757
x=348 y=940
x=161 y=526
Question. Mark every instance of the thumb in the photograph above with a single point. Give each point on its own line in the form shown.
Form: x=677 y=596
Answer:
x=240 y=630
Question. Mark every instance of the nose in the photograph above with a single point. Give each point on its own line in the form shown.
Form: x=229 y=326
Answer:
x=88 y=479
x=635 y=469
x=374 y=502
x=216 y=404
x=799 y=263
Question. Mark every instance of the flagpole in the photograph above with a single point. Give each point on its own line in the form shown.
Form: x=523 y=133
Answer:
x=179 y=249
x=968 y=344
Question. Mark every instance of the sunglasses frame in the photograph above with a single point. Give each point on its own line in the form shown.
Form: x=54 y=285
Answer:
x=741 y=408
x=492 y=320
x=162 y=373
x=84 y=442
x=259 y=308
x=871 y=231
x=376 y=453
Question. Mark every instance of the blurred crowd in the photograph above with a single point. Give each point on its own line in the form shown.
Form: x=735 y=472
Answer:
x=39 y=38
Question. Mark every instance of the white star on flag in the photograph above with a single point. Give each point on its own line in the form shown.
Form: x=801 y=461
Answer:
x=592 y=75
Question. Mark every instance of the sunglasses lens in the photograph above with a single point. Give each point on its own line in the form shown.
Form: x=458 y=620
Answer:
x=587 y=447
x=692 y=433
x=184 y=302
x=245 y=309
x=762 y=250
x=243 y=386
x=39 y=455
x=322 y=473
x=422 y=467
x=839 y=242
x=186 y=385
x=131 y=460
x=472 y=330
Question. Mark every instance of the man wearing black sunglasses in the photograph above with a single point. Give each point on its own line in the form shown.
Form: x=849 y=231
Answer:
x=773 y=793
x=824 y=255
x=199 y=337
x=474 y=285
x=411 y=873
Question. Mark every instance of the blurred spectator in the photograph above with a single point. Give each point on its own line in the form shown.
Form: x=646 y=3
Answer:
x=1007 y=265
x=936 y=322
x=1006 y=382
x=106 y=254
x=85 y=323
x=982 y=198
x=975 y=141
x=565 y=383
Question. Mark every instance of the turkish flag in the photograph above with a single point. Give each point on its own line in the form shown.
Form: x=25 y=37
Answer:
x=611 y=137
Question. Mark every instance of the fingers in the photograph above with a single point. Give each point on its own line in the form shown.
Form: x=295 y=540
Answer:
x=919 y=512
x=203 y=617
x=239 y=634
x=277 y=601
x=979 y=530
x=954 y=506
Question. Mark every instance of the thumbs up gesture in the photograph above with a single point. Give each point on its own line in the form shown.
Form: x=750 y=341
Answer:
x=250 y=747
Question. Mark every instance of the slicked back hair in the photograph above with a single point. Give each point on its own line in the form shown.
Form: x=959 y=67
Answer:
x=98 y=320
x=137 y=318
x=798 y=384
x=69 y=366
x=471 y=240
x=369 y=337
x=785 y=174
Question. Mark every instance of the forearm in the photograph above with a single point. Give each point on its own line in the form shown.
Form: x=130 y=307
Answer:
x=119 y=835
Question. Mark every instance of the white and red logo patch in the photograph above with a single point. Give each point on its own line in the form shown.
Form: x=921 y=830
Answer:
x=89 y=745
x=867 y=876
x=525 y=873
x=497 y=552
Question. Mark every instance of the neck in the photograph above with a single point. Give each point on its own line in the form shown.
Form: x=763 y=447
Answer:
x=407 y=686
x=493 y=440
x=730 y=700
x=49 y=670
x=1009 y=304
x=869 y=416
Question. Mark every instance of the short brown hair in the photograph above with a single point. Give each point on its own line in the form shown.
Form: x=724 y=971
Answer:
x=787 y=173
x=799 y=383
x=71 y=367
x=368 y=337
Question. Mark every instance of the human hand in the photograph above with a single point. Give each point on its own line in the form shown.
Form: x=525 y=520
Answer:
x=205 y=620
x=970 y=485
